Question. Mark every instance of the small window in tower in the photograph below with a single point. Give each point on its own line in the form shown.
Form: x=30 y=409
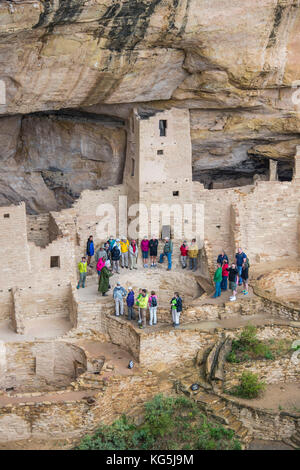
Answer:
x=163 y=127
x=175 y=193
x=160 y=152
x=132 y=166
x=6 y=216
x=55 y=262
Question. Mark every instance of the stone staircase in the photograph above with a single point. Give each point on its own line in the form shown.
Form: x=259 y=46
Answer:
x=294 y=440
x=213 y=406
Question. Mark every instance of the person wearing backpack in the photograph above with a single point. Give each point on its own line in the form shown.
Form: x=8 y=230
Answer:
x=153 y=308
x=176 y=307
x=245 y=276
x=241 y=258
x=137 y=303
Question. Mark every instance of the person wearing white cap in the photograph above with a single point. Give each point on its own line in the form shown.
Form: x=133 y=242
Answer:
x=118 y=294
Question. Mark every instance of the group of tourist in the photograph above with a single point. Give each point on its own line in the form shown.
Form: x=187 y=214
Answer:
x=236 y=274
x=115 y=251
x=142 y=302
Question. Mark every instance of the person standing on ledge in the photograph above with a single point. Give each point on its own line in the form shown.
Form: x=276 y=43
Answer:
x=133 y=255
x=193 y=255
x=222 y=257
x=130 y=304
x=176 y=307
x=241 y=258
x=82 y=267
x=153 y=244
x=183 y=255
x=224 y=275
x=218 y=280
x=118 y=294
x=168 y=250
x=90 y=249
x=145 y=251
x=101 y=253
x=245 y=276
x=233 y=274
x=153 y=308
x=124 y=252
x=103 y=285
x=115 y=256
x=143 y=304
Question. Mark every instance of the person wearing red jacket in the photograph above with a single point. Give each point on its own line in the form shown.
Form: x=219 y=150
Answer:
x=225 y=275
x=184 y=253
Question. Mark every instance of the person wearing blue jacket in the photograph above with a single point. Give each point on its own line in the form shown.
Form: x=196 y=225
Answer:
x=222 y=257
x=90 y=250
x=130 y=304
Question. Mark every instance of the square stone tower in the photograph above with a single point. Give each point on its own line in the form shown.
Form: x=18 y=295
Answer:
x=158 y=167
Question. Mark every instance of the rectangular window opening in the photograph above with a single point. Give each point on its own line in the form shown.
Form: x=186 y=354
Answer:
x=132 y=166
x=54 y=262
x=6 y=216
x=163 y=127
x=160 y=152
x=175 y=193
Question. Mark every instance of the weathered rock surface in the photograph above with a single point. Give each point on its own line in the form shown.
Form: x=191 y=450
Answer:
x=234 y=64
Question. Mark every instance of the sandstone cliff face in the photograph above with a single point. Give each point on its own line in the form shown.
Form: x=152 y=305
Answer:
x=233 y=63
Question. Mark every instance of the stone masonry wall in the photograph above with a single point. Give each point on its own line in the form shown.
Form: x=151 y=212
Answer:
x=39 y=366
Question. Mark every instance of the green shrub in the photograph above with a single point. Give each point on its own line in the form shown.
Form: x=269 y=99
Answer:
x=248 y=347
x=250 y=386
x=169 y=424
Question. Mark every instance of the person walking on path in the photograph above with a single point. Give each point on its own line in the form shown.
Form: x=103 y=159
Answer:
x=168 y=250
x=222 y=257
x=193 y=255
x=233 y=275
x=183 y=254
x=90 y=250
x=143 y=304
x=82 y=268
x=124 y=252
x=100 y=265
x=118 y=294
x=103 y=285
x=240 y=258
x=218 y=280
x=115 y=256
x=145 y=251
x=245 y=276
x=133 y=255
x=138 y=305
x=153 y=245
x=224 y=275
x=153 y=302
x=130 y=304
x=176 y=308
